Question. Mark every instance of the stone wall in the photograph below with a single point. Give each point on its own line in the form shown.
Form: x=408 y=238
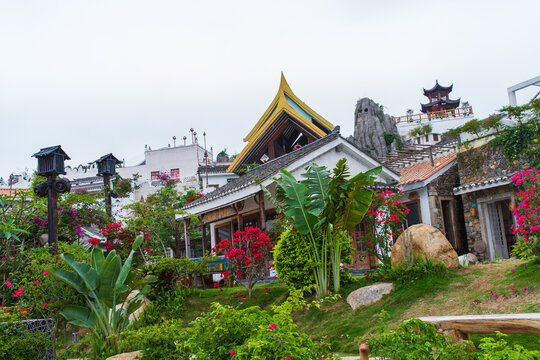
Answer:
x=486 y=162
x=475 y=165
x=441 y=187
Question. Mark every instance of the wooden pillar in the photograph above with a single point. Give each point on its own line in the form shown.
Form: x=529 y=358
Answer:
x=186 y=240
x=239 y=206
x=364 y=350
x=261 y=210
x=240 y=221
x=204 y=239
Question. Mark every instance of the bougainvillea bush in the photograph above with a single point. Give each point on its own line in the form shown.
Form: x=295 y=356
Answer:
x=32 y=293
x=248 y=254
x=121 y=238
x=527 y=213
x=383 y=225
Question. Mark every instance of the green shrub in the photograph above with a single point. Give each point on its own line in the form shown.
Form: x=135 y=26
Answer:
x=404 y=274
x=415 y=340
x=292 y=261
x=165 y=306
x=43 y=295
x=498 y=349
x=157 y=341
x=16 y=343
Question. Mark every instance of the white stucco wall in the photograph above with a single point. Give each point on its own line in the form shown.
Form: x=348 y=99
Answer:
x=439 y=126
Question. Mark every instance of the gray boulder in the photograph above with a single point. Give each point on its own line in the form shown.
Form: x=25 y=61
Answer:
x=369 y=294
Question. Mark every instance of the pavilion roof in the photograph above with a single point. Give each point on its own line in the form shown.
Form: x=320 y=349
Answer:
x=438 y=88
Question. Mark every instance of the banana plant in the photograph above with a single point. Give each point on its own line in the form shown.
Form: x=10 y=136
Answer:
x=327 y=203
x=105 y=284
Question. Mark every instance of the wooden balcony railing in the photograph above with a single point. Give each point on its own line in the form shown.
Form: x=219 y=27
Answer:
x=462 y=111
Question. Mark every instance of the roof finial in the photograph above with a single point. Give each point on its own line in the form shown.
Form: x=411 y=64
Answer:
x=283 y=85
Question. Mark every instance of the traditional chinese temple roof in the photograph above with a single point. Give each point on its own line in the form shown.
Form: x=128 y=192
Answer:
x=285 y=109
x=438 y=88
x=440 y=104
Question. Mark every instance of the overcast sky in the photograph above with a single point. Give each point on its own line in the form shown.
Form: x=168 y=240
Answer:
x=111 y=76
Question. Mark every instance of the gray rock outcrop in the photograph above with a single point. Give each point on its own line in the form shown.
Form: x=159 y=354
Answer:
x=374 y=131
x=369 y=294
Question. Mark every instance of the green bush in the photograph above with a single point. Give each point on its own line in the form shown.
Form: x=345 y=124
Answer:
x=225 y=333
x=16 y=343
x=415 y=340
x=167 y=305
x=404 y=274
x=292 y=261
x=43 y=295
x=498 y=349
x=157 y=341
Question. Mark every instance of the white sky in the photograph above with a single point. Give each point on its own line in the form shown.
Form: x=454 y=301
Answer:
x=111 y=76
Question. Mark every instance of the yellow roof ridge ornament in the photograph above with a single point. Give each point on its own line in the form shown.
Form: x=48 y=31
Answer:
x=285 y=100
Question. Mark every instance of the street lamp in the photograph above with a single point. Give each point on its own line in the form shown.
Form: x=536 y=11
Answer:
x=106 y=168
x=51 y=164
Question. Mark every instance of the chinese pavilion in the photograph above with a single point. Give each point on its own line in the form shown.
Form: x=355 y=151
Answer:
x=438 y=99
x=287 y=125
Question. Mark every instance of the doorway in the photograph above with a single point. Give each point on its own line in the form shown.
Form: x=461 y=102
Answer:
x=499 y=221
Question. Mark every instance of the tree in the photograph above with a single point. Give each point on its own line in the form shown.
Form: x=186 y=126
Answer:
x=248 y=254
x=157 y=215
x=328 y=204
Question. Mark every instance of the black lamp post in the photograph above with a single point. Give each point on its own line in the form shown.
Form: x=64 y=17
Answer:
x=51 y=164
x=106 y=168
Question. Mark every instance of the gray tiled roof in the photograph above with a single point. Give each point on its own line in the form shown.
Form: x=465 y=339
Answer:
x=264 y=171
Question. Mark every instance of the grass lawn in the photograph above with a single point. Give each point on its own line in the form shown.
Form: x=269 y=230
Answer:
x=481 y=289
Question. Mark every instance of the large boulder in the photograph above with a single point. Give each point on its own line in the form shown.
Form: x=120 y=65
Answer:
x=369 y=294
x=428 y=241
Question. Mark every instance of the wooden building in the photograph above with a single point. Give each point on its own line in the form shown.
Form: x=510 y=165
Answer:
x=289 y=136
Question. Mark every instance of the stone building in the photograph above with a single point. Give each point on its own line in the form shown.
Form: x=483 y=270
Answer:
x=428 y=193
x=488 y=198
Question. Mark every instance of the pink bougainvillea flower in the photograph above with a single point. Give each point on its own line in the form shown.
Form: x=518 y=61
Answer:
x=272 y=327
x=287 y=358
x=216 y=285
x=45 y=273
x=341 y=336
x=525 y=288
x=512 y=270
x=36 y=282
x=44 y=304
x=9 y=284
x=232 y=352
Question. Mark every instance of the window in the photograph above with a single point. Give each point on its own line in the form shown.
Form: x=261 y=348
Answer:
x=154 y=175
x=175 y=173
x=435 y=137
x=223 y=233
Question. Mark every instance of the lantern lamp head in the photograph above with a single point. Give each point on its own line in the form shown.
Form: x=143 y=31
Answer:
x=51 y=161
x=107 y=165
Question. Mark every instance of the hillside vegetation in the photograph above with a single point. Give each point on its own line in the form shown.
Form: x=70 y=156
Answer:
x=505 y=287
